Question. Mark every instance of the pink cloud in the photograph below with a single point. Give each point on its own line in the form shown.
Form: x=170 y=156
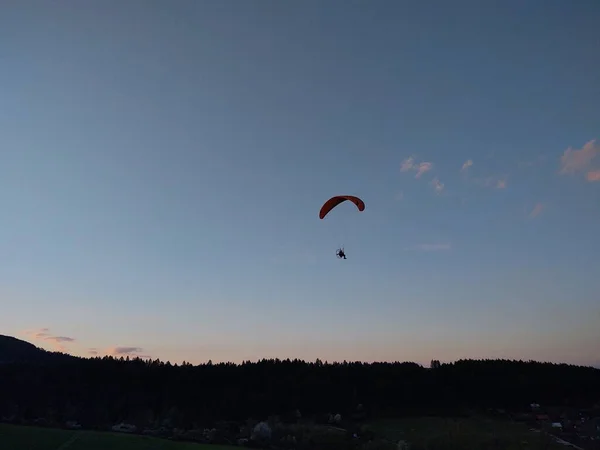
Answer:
x=43 y=334
x=410 y=164
x=407 y=164
x=124 y=350
x=537 y=209
x=423 y=168
x=501 y=184
x=132 y=352
x=39 y=334
x=573 y=161
x=438 y=186
x=593 y=175
x=59 y=339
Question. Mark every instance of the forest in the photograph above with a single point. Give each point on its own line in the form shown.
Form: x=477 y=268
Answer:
x=101 y=391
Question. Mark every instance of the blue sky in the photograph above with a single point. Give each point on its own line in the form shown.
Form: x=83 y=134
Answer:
x=162 y=168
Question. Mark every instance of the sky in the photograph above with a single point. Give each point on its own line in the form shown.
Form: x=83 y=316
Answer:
x=162 y=166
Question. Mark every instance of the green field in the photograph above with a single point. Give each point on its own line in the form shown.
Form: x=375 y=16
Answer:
x=421 y=433
x=14 y=437
x=435 y=433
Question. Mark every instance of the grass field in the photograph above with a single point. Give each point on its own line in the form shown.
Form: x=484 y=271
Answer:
x=14 y=437
x=435 y=433
x=428 y=433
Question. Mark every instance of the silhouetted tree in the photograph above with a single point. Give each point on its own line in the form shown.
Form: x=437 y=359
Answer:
x=102 y=391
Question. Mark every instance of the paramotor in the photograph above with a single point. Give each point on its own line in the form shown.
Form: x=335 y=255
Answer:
x=334 y=201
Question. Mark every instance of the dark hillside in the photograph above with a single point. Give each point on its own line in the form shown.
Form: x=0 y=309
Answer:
x=14 y=350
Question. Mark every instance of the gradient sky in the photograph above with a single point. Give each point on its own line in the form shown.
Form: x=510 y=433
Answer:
x=162 y=165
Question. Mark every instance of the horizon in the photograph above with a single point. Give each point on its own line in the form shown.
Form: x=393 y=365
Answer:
x=163 y=169
x=255 y=361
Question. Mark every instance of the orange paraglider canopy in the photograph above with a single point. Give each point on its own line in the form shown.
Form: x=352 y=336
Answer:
x=334 y=201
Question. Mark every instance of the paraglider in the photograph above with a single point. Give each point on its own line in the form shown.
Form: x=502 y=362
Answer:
x=332 y=203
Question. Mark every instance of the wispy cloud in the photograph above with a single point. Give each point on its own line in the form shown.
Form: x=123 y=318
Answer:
x=59 y=339
x=43 y=334
x=438 y=186
x=423 y=168
x=575 y=161
x=124 y=350
x=468 y=163
x=593 y=175
x=433 y=247
x=40 y=334
x=409 y=164
x=93 y=351
x=132 y=352
x=494 y=181
x=536 y=211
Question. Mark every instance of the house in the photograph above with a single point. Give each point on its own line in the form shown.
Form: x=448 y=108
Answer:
x=73 y=425
x=124 y=428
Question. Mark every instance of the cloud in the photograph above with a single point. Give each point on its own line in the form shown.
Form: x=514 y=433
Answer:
x=438 y=186
x=132 y=352
x=124 y=350
x=37 y=334
x=43 y=334
x=573 y=161
x=423 y=168
x=494 y=181
x=593 y=175
x=93 y=351
x=433 y=247
x=537 y=209
x=59 y=339
x=468 y=163
x=407 y=164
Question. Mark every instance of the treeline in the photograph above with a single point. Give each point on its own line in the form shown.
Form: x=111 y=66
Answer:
x=98 y=392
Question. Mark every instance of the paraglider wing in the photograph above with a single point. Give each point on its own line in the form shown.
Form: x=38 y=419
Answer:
x=334 y=201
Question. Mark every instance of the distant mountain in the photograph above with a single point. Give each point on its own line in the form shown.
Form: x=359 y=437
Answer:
x=16 y=350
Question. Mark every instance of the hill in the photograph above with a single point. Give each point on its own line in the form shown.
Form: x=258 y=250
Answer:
x=13 y=350
x=16 y=350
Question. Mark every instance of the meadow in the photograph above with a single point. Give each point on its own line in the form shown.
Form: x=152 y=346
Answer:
x=472 y=433
x=15 y=437
x=428 y=433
